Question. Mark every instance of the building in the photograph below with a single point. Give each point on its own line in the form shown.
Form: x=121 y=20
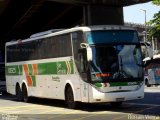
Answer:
x=141 y=31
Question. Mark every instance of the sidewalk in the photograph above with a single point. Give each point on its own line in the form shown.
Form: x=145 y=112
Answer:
x=152 y=89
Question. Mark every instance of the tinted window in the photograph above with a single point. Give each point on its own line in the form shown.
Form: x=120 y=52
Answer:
x=51 y=47
x=112 y=36
x=77 y=39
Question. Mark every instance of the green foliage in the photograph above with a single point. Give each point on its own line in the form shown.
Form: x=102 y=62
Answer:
x=156 y=2
x=155 y=23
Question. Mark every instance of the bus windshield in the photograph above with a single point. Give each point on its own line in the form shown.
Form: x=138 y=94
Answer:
x=112 y=36
x=116 y=55
x=116 y=62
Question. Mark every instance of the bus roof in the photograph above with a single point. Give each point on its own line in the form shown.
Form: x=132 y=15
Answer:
x=45 y=33
x=53 y=32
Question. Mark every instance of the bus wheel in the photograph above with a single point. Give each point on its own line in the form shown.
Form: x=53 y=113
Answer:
x=18 y=93
x=24 y=93
x=116 y=104
x=69 y=98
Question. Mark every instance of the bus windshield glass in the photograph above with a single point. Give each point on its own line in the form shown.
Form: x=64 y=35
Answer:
x=116 y=55
x=112 y=36
x=116 y=62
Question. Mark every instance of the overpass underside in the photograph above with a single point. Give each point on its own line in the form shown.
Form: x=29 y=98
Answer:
x=21 y=18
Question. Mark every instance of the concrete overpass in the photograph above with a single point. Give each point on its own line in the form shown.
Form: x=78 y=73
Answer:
x=21 y=18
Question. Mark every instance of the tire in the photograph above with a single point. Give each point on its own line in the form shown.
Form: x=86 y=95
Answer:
x=69 y=98
x=5 y=93
x=18 y=93
x=25 y=94
x=116 y=104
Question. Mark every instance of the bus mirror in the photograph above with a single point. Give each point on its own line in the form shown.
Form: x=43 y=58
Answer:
x=83 y=45
x=89 y=53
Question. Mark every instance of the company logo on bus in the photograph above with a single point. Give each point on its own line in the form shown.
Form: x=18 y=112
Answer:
x=60 y=69
x=11 y=70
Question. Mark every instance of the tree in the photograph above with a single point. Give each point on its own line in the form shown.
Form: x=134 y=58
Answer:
x=156 y=2
x=155 y=22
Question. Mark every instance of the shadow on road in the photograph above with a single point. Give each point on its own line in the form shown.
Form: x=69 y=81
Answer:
x=150 y=105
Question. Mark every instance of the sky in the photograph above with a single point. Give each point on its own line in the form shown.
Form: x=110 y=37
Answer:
x=134 y=14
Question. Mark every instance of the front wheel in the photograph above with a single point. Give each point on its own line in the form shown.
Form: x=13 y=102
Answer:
x=69 y=98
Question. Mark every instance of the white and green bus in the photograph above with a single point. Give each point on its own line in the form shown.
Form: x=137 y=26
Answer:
x=83 y=64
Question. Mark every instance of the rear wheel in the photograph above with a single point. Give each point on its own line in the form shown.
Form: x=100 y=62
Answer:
x=18 y=93
x=69 y=98
x=25 y=93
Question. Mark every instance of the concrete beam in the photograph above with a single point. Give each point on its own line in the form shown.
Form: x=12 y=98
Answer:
x=3 y=5
x=121 y=3
x=103 y=15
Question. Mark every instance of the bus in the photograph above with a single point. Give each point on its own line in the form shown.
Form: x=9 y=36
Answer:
x=88 y=64
x=2 y=72
x=152 y=70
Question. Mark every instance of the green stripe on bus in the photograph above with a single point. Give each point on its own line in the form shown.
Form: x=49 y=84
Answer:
x=115 y=84
x=72 y=67
x=43 y=68
x=112 y=84
x=30 y=69
x=54 y=68
x=98 y=85
x=61 y=68
x=20 y=69
x=13 y=70
x=33 y=80
x=46 y=68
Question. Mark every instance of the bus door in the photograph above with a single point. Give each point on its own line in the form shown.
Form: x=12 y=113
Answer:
x=82 y=68
x=84 y=92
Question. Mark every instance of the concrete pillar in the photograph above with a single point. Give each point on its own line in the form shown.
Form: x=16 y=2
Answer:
x=103 y=15
x=153 y=44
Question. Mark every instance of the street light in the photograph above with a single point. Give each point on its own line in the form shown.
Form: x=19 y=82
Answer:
x=145 y=33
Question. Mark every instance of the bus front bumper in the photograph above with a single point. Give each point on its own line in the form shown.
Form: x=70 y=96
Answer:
x=98 y=96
